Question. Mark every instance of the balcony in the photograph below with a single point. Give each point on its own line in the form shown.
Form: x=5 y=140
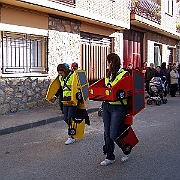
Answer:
x=70 y=3
x=147 y=9
x=94 y=11
x=110 y=13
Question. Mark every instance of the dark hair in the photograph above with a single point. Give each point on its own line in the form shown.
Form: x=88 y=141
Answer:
x=163 y=65
x=115 y=62
x=74 y=65
x=137 y=68
x=62 y=67
x=158 y=67
x=178 y=68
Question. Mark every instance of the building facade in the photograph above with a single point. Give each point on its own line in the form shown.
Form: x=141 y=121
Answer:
x=156 y=20
x=36 y=36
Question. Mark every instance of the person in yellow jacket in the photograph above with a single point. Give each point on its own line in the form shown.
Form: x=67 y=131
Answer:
x=65 y=78
x=113 y=112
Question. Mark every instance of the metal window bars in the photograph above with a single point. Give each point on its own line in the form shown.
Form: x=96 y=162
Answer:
x=23 y=53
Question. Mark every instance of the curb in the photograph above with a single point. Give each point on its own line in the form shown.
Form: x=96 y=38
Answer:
x=36 y=124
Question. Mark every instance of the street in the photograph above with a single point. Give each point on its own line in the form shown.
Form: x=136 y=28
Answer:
x=40 y=153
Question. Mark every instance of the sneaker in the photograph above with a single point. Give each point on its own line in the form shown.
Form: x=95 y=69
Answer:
x=107 y=162
x=70 y=140
x=124 y=158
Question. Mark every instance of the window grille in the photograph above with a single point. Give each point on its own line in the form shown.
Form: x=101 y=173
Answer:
x=94 y=50
x=23 y=53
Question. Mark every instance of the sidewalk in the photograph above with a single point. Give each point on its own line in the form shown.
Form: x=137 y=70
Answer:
x=35 y=117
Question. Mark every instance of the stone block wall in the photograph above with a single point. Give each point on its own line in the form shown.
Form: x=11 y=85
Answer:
x=22 y=93
x=64 y=43
x=118 y=45
x=63 y=48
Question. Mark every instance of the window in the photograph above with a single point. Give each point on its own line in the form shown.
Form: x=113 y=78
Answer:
x=170 y=55
x=23 y=53
x=169 y=7
x=157 y=55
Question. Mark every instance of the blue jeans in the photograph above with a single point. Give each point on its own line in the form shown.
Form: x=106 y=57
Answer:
x=69 y=112
x=113 y=116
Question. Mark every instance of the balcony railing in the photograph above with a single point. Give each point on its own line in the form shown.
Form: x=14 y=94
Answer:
x=147 y=9
x=65 y=2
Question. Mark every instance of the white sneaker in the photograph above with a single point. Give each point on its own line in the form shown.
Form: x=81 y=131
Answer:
x=107 y=162
x=124 y=158
x=70 y=140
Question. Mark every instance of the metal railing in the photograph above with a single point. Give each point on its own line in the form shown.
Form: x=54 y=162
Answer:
x=147 y=9
x=70 y=3
x=23 y=53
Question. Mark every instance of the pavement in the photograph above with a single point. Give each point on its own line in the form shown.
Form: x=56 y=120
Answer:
x=35 y=117
x=21 y=120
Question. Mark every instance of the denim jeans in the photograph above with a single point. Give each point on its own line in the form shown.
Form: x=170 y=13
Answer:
x=113 y=116
x=69 y=112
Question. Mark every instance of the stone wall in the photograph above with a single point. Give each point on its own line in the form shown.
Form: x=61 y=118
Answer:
x=63 y=48
x=64 y=43
x=22 y=93
x=118 y=44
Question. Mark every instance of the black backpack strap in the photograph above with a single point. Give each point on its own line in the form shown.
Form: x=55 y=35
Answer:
x=65 y=80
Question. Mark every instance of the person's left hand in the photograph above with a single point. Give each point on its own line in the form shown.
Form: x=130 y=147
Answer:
x=53 y=99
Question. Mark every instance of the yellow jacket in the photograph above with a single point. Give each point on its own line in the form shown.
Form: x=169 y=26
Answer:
x=66 y=84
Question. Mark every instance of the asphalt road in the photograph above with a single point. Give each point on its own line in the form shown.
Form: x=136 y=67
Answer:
x=40 y=154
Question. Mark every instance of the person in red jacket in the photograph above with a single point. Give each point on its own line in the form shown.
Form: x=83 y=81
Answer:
x=144 y=68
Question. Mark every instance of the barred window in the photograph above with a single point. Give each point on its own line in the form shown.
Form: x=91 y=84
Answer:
x=23 y=53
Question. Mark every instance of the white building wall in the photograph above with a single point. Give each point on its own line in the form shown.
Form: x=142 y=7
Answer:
x=118 y=45
x=63 y=47
x=111 y=12
x=150 y=53
x=165 y=53
x=168 y=22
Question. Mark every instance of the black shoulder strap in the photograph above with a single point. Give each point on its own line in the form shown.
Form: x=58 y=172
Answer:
x=109 y=84
x=66 y=79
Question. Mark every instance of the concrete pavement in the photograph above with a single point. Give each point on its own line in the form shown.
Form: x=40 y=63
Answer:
x=35 y=117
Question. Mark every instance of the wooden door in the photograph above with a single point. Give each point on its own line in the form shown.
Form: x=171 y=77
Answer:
x=94 y=50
